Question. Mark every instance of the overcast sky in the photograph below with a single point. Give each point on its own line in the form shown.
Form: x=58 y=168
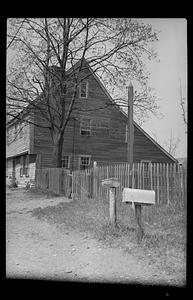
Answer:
x=165 y=75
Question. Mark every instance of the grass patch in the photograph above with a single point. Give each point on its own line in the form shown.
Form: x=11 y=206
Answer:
x=163 y=244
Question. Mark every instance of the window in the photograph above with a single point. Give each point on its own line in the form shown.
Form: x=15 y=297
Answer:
x=32 y=158
x=84 y=161
x=85 y=127
x=66 y=162
x=145 y=161
x=100 y=127
x=17 y=160
x=83 y=92
x=24 y=166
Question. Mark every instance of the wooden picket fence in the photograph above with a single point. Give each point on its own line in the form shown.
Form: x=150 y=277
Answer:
x=56 y=180
x=167 y=180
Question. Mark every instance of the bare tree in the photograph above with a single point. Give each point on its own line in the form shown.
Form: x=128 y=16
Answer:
x=114 y=49
x=170 y=145
x=183 y=106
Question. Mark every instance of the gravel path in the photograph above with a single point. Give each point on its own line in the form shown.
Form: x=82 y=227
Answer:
x=36 y=249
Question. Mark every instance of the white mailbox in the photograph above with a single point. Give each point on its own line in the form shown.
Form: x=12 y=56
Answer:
x=138 y=196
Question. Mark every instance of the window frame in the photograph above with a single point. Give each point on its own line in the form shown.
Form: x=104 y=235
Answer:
x=145 y=161
x=18 y=160
x=82 y=127
x=84 y=156
x=69 y=160
x=80 y=89
x=24 y=161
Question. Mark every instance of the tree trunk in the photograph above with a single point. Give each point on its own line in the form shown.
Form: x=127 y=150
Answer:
x=57 y=152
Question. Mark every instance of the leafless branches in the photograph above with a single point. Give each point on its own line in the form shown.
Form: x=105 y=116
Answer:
x=114 y=49
x=182 y=104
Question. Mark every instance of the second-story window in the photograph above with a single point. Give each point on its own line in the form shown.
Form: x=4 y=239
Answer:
x=85 y=127
x=83 y=91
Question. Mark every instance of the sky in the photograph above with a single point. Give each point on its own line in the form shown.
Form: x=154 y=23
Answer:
x=165 y=79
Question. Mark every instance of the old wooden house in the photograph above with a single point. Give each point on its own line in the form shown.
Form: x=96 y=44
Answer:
x=96 y=131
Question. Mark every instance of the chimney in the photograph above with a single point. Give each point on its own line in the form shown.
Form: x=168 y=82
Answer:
x=53 y=76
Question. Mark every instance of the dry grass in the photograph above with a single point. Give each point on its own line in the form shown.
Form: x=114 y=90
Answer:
x=163 y=245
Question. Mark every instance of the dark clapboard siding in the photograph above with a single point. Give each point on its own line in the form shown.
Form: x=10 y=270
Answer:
x=103 y=145
x=144 y=148
x=42 y=142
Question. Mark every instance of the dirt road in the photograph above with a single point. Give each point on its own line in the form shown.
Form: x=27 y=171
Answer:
x=36 y=249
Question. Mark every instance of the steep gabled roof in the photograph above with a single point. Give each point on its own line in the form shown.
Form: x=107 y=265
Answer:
x=126 y=117
x=32 y=104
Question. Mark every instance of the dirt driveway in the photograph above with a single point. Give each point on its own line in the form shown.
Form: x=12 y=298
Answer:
x=36 y=249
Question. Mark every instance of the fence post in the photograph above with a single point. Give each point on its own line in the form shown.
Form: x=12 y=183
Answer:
x=151 y=177
x=157 y=166
x=95 y=169
x=140 y=231
x=112 y=206
x=167 y=184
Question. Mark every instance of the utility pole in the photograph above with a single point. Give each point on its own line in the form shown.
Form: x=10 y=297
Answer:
x=130 y=141
x=130 y=137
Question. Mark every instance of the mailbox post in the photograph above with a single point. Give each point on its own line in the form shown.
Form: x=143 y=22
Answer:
x=112 y=184
x=138 y=198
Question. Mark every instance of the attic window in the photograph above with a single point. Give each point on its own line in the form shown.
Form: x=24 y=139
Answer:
x=83 y=92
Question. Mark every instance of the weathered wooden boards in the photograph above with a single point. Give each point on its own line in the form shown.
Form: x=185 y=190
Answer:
x=112 y=184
